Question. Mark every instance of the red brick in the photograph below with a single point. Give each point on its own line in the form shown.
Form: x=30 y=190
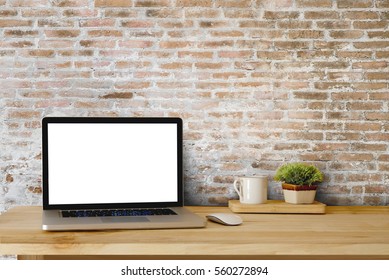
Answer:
x=349 y=34
x=113 y=3
x=176 y=65
x=370 y=65
x=331 y=146
x=70 y=3
x=305 y=34
x=56 y=23
x=377 y=116
x=52 y=103
x=80 y=13
x=378 y=34
x=384 y=157
x=379 y=96
x=292 y=45
x=152 y=3
x=209 y=65
x=341 y=76
x=311 y=95
x=365 y=177
x=174 y=44
x=344 y=4
x=90 y=104
x=132 y=85
x=232 y=4
x=344 y=115
x=8 y=13
x=365 y=106
x=361 y=15
x=291 y=147
x=120 y=13
x=343 y=136
x=21 y=33
x=239 y=13
x=38 y=94
x=369 y=24
x=227 y=33
x=24 y=114
x=105 y=33
x=107 y=22
x=191 y=3
x=368 y=147
x=275 y=55
x=56 y=44
x=354 y=157
x=292 y=85
x=382 y=3
x=349 y=95
x=355 y=55
x=360 y=126
x=214 y=24
x=41 y=53
x=15 y=83
x=97 y=44
x=256 y=24
x=316 y=156
x=136 y=44
x=62 y=33
x=115 y=95
x=15 y=23
x=201 y=13
x=28 y=3
x=314 y=3
x=333 y=24
x=380 y=136
x=228 y=75
x=383 y=167
x=321 y=15
x=274 y=4
x=305 y=115
x=165 y=13
x=138 y=24
x=195 y=54
x=371 y=45
x=304 y=135
x=39 y=13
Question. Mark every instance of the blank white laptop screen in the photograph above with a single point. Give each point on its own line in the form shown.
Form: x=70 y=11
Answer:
x=93 y=163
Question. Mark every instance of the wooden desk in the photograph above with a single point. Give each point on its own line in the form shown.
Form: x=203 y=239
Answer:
x=342 y=233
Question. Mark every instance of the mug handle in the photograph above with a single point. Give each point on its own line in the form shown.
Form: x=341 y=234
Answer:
x=237 y=188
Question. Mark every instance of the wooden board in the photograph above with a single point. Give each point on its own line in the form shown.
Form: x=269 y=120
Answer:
x=278 y=207
x=345 y=232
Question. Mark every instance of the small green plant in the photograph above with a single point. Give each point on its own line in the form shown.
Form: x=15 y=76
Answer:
x=298 y=174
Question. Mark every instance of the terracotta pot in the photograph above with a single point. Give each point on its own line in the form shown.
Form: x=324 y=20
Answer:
x=299 y=194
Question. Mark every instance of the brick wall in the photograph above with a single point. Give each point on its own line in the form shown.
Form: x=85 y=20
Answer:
x=257 y=82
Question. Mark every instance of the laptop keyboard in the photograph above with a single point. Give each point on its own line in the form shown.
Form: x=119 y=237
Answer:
x=117 y=212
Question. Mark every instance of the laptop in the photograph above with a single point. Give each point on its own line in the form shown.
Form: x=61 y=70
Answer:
x=113 y=173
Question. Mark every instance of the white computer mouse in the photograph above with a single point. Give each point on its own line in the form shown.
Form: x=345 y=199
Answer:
x=227 y=219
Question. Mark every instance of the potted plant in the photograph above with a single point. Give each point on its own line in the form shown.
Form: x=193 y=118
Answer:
x=298 y=182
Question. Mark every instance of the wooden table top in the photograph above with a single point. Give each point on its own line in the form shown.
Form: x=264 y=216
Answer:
x=359 y=232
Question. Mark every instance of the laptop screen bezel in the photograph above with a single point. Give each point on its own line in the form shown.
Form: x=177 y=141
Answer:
x=71 y=120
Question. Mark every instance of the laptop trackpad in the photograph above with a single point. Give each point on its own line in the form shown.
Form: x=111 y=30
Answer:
x=124 y=219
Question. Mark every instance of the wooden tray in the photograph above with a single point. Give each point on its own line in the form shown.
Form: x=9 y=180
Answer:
x=277 y=207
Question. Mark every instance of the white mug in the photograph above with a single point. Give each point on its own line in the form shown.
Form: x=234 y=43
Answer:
x=251 y=190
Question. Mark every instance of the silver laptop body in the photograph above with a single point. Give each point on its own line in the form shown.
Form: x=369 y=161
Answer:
x=113 y=173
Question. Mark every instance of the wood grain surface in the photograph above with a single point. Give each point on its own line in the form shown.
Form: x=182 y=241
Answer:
x=277 y=207
x=360 y=232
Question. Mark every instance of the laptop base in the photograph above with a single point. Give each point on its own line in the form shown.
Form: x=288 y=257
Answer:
x=52 y=220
